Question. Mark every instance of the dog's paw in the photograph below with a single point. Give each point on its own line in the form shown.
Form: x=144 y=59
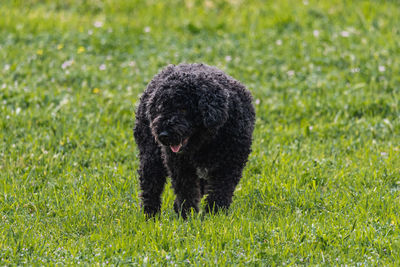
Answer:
x=217 y=204
x=184 y=209
x=151 y=212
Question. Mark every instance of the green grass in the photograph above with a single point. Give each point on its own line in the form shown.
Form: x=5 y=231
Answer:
x=322 y=185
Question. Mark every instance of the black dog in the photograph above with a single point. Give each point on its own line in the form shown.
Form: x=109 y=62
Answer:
x=194 y=123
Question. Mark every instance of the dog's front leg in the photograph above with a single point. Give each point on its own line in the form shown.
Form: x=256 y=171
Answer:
x=152 y=180
x=152 y=177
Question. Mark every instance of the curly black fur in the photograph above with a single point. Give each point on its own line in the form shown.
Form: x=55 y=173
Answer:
x=195 y=124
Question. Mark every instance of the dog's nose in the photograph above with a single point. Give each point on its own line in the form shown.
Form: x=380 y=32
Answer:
x=163 y=137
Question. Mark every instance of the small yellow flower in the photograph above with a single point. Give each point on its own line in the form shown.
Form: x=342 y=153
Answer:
x=60 y=46
x=81 y=49
x=39 y=52
x=96 y=90
x=62 y=142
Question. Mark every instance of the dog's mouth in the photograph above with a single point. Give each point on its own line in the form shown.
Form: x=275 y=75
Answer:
x=177 y=148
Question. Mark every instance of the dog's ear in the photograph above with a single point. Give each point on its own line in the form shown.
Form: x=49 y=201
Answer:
x=213 y=105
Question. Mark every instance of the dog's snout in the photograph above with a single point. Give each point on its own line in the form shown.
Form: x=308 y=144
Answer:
x=163 y=136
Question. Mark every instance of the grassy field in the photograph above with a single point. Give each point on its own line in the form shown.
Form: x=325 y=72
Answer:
x=322 y=185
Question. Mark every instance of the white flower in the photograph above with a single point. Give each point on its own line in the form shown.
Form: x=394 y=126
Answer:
x=278 y=42
x=67 y=64
x=147 y=29
x=355 y=70
x=228 y=58
x=381 y=68
x=290 y=73
x=316 y=33
x=102 y=67
x=98 y=24
x=345 y=34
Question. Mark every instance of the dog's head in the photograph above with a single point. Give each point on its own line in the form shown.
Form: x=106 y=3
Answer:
x=183 y=105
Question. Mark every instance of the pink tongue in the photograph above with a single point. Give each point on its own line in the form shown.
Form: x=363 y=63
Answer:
x=176 y=148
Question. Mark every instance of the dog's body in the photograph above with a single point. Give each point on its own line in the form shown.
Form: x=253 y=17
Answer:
x=194 y=123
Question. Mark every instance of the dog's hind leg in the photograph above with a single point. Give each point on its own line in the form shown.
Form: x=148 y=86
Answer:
x=186 y=186
x=203 y=187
